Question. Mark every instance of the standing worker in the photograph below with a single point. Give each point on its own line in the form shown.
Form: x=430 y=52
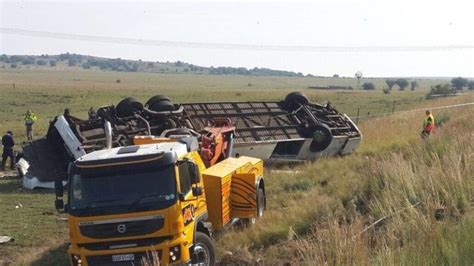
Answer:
x=428 y=125
x=8 y=144
x=30 y=119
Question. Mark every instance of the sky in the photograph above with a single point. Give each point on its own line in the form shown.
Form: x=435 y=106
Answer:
x=379 y=38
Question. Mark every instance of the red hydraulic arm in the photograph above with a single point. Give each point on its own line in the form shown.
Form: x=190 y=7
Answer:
x=217 y=141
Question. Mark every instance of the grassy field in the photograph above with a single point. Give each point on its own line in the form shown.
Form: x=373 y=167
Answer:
x=316 y=211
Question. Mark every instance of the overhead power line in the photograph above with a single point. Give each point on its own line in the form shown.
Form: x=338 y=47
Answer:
x=231 y=46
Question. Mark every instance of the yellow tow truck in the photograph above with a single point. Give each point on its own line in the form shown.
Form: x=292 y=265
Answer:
x=158 y=200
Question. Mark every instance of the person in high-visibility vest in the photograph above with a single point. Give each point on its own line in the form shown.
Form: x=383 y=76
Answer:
x=30 y=119
x=428 y=125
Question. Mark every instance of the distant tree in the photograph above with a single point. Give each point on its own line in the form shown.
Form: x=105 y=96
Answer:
x=386 y=90
x=86 y=66
x=63 y=57
x=390 y=83
x=72 y=62
x=41 y=62
x=3 y=58
x=28 y=60
x=150 y=65
x=335 y=75
x=134 y=67
x=13 y=66
x=470 y=85
x=179 y=64
x=413 y=85
x=368 y=86
x=402 y=83
x=459 y=83
x=15 y=59
x=52 y=63
x=441 y=89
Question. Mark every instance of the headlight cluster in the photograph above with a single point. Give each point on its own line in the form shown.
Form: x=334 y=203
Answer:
x=175 y=253
x=76 y=260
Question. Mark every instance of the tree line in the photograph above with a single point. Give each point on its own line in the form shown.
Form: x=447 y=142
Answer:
x=118 y=64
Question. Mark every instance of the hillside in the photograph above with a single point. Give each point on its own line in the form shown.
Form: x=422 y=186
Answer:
x=74 y=61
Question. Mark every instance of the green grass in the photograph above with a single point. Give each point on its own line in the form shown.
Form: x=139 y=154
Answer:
x=30 y=218
x=313 y=209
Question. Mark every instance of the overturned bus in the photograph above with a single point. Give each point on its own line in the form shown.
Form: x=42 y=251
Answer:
x=290 y=130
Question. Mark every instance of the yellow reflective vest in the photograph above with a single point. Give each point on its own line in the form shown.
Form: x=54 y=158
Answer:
x=429 y=120
x=30 y=118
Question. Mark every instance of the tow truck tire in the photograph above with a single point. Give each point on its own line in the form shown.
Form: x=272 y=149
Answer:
x=128 y=107
x=203 y=250
x=260 y=202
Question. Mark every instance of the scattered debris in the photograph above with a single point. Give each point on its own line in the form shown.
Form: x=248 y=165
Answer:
x=6 y=239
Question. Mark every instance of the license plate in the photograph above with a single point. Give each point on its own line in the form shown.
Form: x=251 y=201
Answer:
x=123 y=257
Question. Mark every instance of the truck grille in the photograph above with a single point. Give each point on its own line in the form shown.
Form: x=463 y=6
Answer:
x=125 y=243
x=120 y=228
x=105 y=260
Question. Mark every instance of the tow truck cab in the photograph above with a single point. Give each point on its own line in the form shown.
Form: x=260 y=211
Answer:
x=155 y=202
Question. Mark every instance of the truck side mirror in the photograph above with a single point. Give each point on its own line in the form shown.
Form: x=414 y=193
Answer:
x=59 y=188
x=193 y=173
x=197 y=191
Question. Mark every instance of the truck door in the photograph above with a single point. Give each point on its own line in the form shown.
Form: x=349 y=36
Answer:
x=188 y=206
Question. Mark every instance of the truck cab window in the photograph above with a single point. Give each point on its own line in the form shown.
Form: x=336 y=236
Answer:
x=184 y=177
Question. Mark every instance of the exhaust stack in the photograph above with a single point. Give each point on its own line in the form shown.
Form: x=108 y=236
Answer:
x=108 y=135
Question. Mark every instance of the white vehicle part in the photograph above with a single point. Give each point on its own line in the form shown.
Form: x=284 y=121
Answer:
x=72 y=145
x=70 y=140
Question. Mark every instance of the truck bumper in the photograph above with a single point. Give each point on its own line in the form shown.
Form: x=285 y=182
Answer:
x=174 y=251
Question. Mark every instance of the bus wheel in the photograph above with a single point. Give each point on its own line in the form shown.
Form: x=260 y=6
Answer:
x=203 y=252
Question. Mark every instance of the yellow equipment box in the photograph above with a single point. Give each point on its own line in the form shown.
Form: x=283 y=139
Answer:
x=231 y=191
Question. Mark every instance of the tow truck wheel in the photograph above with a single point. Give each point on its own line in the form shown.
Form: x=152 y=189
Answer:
x=260 y=202
x=203 y=251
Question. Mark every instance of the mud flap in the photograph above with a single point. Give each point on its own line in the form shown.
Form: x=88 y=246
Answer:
x=243 y=196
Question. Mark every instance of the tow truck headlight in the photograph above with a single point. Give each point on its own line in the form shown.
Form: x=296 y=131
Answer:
x=175 y=253
x=76 y=260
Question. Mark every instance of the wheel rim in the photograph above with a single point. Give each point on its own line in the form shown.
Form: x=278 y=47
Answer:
x=201 y=252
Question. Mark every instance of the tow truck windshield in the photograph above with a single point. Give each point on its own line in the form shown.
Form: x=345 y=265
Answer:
x=122 y=191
